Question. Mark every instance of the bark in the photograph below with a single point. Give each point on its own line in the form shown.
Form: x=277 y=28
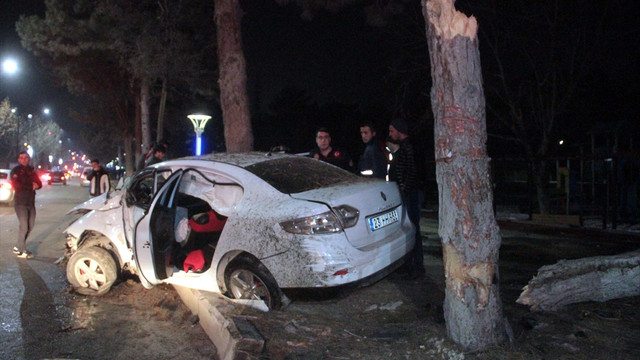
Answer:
x=599 y=278
x=161 y=110
x=144 y=115
x=233 y=77
x=468 y=229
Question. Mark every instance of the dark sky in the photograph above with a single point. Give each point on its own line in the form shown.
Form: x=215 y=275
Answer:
x=30 y=90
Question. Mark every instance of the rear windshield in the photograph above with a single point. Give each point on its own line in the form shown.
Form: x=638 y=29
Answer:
x=3 y=175
x=298 y=174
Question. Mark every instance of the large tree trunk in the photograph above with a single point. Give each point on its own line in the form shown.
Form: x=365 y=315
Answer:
x=469 y=232
x=599 y=278
x=233 y=77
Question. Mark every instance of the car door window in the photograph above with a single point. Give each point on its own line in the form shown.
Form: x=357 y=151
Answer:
x=144 y=186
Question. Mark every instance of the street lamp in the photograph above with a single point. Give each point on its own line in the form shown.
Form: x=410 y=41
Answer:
x=10 y=66
x=198 y=121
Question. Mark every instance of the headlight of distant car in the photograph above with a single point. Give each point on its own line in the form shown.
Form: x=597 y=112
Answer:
x=328 y=222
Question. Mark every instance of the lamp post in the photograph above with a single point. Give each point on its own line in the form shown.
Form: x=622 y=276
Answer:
x=198 y=121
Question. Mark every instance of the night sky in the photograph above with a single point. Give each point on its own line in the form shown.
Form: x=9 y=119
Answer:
x=336 y=58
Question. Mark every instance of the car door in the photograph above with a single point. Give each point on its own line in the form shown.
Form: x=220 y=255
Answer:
x=137 y=198
x=154 y=238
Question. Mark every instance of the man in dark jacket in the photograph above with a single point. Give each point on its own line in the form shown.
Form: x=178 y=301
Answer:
x=405 y=170
x=324 y=151
x=25 y=181
x=373 y=162
x=99 y=179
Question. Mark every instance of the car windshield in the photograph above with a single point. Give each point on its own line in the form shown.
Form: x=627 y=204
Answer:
x=298 y=174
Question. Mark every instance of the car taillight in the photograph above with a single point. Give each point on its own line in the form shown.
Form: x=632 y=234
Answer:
x=328 y=222
x=5 y=186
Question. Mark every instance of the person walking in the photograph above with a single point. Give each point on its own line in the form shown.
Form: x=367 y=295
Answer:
x=324 y=151
x=25 y=181
x=98 y=178
x=372 y=162
x=405 y=171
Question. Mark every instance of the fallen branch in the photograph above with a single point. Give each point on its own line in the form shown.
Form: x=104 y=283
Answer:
x=599 y=278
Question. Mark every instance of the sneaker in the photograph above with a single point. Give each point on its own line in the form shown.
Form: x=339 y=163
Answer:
x=26 y=255
x=16 y=251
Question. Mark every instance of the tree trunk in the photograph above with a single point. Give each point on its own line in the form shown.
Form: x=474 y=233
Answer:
x=161 y=110
x=144 y=115
x=469 y=232
x=599 y=278
x=233 y=77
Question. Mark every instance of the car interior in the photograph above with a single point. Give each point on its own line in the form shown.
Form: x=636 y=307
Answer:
x=198 y=215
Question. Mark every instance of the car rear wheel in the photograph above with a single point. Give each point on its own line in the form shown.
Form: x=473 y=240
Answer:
x=92 y=271
x=247 y=278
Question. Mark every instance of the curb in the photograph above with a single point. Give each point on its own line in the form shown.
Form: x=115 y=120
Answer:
x=234 y=336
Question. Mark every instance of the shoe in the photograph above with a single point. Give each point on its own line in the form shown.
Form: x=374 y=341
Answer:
x=25 y=255
x=15 y=250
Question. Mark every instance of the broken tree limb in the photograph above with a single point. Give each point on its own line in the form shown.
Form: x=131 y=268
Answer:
x=598 y=278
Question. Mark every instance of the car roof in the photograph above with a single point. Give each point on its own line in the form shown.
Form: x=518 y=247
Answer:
x=239 y=159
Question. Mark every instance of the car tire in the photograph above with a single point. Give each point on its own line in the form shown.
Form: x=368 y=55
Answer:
x=248 y=278
x=92 y=271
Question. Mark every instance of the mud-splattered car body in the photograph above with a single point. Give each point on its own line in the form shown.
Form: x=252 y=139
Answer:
x=262 y=222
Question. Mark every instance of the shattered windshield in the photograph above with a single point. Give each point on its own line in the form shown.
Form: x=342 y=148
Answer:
x=298 y=174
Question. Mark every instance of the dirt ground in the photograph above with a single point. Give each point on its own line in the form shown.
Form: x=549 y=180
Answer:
x=401 y=319
x=131 y=322
x=391 y=319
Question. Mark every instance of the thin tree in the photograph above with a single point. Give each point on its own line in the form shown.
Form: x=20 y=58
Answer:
x=467 y=226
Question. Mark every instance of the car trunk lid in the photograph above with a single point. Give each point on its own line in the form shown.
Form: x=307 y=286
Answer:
x=378 y=202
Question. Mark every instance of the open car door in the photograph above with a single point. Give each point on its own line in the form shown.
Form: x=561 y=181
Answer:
x=154 y=239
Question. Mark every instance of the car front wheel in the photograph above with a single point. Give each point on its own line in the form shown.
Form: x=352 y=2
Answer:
x=92 y=271
x=247 y=278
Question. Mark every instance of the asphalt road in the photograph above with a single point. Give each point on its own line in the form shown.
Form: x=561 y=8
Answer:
x=28 y=288
x=41 y=319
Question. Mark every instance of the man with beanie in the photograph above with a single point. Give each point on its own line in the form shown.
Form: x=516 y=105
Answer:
x=25 y=181
x=404 y=170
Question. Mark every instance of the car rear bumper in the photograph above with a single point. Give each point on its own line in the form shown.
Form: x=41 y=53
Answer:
x=329 y=260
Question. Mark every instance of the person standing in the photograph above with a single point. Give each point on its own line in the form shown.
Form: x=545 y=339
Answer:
x=373 y=162
x=157 y=156
x=405 y=171
x=25 y=181
x=99 y=179
x=324 y=151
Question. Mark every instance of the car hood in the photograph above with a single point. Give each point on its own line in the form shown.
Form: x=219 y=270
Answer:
x=370 y=196
x=102 y=202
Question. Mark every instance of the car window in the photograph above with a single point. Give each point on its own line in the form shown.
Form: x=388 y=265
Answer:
x=3 y=175
x=143 y=186
x=298 y=174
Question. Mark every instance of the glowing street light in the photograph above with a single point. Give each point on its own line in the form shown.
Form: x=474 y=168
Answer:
x=198 y=121
x=10 y=66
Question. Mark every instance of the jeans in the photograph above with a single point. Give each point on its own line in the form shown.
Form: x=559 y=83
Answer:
x=413 y=201
x=27 y=218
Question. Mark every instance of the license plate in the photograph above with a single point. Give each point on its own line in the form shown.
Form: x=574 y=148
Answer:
x=383 y=220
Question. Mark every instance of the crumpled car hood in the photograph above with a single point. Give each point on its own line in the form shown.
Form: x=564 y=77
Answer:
x=98 y=203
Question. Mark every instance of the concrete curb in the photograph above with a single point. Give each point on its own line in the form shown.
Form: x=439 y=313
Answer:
x=234 y=336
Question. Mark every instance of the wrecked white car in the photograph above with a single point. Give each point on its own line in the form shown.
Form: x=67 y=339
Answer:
x=244 y=225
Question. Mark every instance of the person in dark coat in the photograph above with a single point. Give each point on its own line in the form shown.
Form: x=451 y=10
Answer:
x=373 y=161
x=25 y=182
x=405 y=170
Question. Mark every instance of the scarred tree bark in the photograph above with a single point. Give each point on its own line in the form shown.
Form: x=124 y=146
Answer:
x=233 y=78
x=598 y=278
x=467 y=226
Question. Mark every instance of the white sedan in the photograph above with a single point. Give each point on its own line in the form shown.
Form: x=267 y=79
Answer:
x=244 y=225
x=6 y=190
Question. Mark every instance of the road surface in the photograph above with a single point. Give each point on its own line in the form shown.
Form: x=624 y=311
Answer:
x=41 y=319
